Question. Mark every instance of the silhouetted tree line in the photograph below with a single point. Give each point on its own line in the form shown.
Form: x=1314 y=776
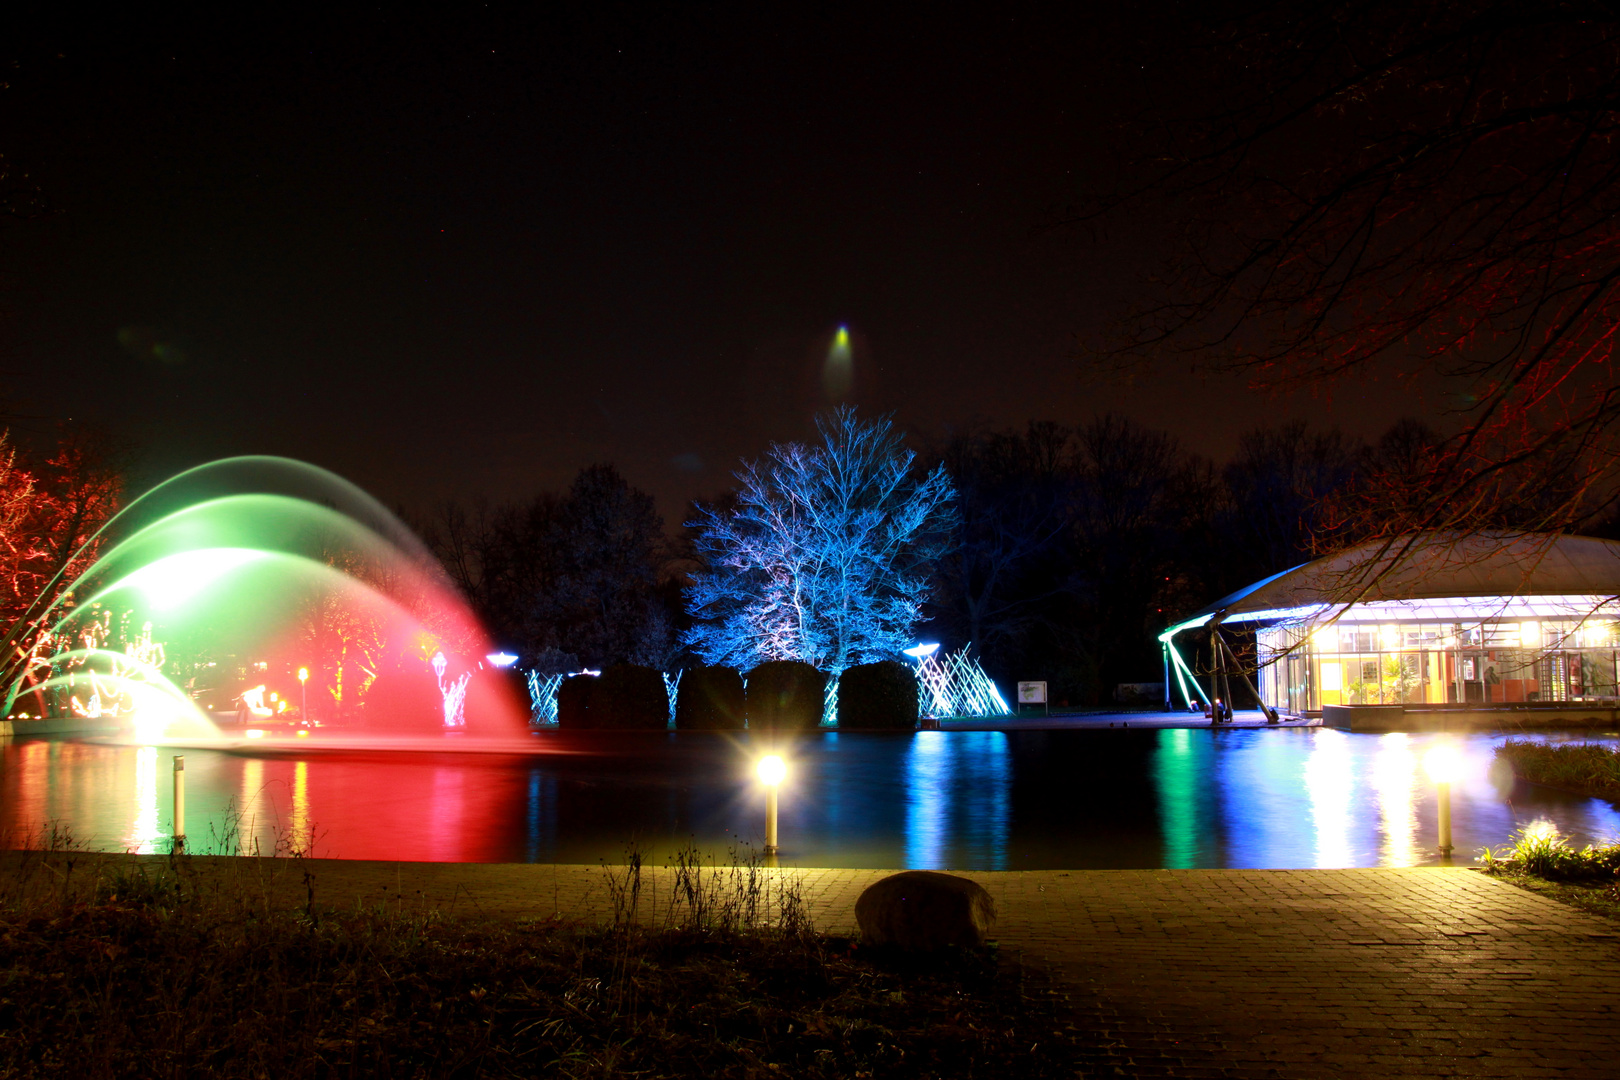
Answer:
x=1079 y=544
x=1071 y=547
x=581 y=578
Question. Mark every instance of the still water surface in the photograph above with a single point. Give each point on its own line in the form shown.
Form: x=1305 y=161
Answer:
x=938 y=800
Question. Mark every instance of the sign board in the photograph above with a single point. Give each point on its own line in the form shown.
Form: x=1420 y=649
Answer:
x=1032 y=693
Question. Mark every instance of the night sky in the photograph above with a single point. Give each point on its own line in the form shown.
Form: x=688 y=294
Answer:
x=465 y=254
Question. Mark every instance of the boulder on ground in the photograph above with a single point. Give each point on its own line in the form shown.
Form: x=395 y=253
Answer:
x=921 y=911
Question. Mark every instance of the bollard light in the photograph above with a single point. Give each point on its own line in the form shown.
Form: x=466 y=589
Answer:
x=179 y=802
x=303 y=686
x=772 y=769
x=1442 y=764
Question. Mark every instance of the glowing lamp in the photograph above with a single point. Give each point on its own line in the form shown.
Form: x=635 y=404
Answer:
x=254 y=733
x=1529 y=635
x=1442 y=764
x=922 y=652
x=303 y=674
x=501 y=659
x=771 y=771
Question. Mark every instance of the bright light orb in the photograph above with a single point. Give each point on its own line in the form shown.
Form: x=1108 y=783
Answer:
x=923 y=651
x=171 y=581
x=303 y=674
x=1442 y=763
x=772 y=769
x=501 y=659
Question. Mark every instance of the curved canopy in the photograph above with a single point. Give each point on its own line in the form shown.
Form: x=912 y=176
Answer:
x=1418 y=571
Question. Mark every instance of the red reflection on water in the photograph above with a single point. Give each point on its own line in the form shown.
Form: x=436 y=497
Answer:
x=411 y=807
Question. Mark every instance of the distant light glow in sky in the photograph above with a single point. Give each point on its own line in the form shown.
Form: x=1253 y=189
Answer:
x=838 y=374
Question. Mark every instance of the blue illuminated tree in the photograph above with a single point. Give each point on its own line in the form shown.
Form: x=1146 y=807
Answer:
x=826 y=554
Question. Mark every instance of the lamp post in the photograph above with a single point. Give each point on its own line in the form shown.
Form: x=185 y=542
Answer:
x=303 y=689
x=771 y=771
x=1441 y=764
x=179 y=802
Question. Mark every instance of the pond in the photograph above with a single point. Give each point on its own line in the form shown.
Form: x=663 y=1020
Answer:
x=981 y=800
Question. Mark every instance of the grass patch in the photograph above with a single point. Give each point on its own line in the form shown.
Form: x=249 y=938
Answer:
x=1540 y=860
x=1584 y=768
x=1594 y=897
x=113 y=968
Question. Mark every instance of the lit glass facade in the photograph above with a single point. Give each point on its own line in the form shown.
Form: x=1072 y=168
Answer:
x=1481 y=662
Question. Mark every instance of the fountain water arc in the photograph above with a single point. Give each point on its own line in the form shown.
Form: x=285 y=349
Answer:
x=274 y=562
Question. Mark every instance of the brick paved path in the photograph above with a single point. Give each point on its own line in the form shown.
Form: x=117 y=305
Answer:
x=1194 y=973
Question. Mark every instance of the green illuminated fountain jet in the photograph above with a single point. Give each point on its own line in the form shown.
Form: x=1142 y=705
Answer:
x=264 y=594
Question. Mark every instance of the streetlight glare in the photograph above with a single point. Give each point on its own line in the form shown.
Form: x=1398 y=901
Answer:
x=303 y=674
x=1442 y=764
x=772 y=769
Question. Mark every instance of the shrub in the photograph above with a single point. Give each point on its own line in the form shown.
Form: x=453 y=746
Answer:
x=574 y=701
x=880 y=695
x=710 y=699
x=629 y=696
x=1543 y=853
x=785 y=694
x=1587 y=768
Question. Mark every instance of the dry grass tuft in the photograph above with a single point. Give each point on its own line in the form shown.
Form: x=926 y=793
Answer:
x=112 y=968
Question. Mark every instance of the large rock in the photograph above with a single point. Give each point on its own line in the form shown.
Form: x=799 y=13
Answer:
x=920 y=911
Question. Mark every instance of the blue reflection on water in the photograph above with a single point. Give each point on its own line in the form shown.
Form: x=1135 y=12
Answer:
x=956 y=799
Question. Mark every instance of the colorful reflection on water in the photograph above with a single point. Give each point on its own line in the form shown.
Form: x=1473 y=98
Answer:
x=946 y=800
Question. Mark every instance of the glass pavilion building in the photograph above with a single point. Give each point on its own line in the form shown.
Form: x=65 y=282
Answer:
x=1481 y=620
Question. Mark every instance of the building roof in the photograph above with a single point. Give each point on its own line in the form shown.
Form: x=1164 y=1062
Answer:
x=1427 y=568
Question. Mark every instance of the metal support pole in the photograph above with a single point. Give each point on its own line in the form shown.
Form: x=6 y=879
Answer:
x=1445 y=820
x=770 y=819
x=179 y=802
x=1265 y=710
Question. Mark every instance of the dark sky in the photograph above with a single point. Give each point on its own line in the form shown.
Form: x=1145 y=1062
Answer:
x=467 y=253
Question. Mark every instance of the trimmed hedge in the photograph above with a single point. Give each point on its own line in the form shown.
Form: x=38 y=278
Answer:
x=630 y=696
x=878 y=696
x=785 y=694
x=574 y=701
x=710 y=699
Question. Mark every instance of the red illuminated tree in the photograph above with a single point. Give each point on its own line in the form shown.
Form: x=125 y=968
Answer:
x=49 y=517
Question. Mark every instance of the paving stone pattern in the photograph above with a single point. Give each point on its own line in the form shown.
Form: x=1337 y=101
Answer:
x=1192 y=973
